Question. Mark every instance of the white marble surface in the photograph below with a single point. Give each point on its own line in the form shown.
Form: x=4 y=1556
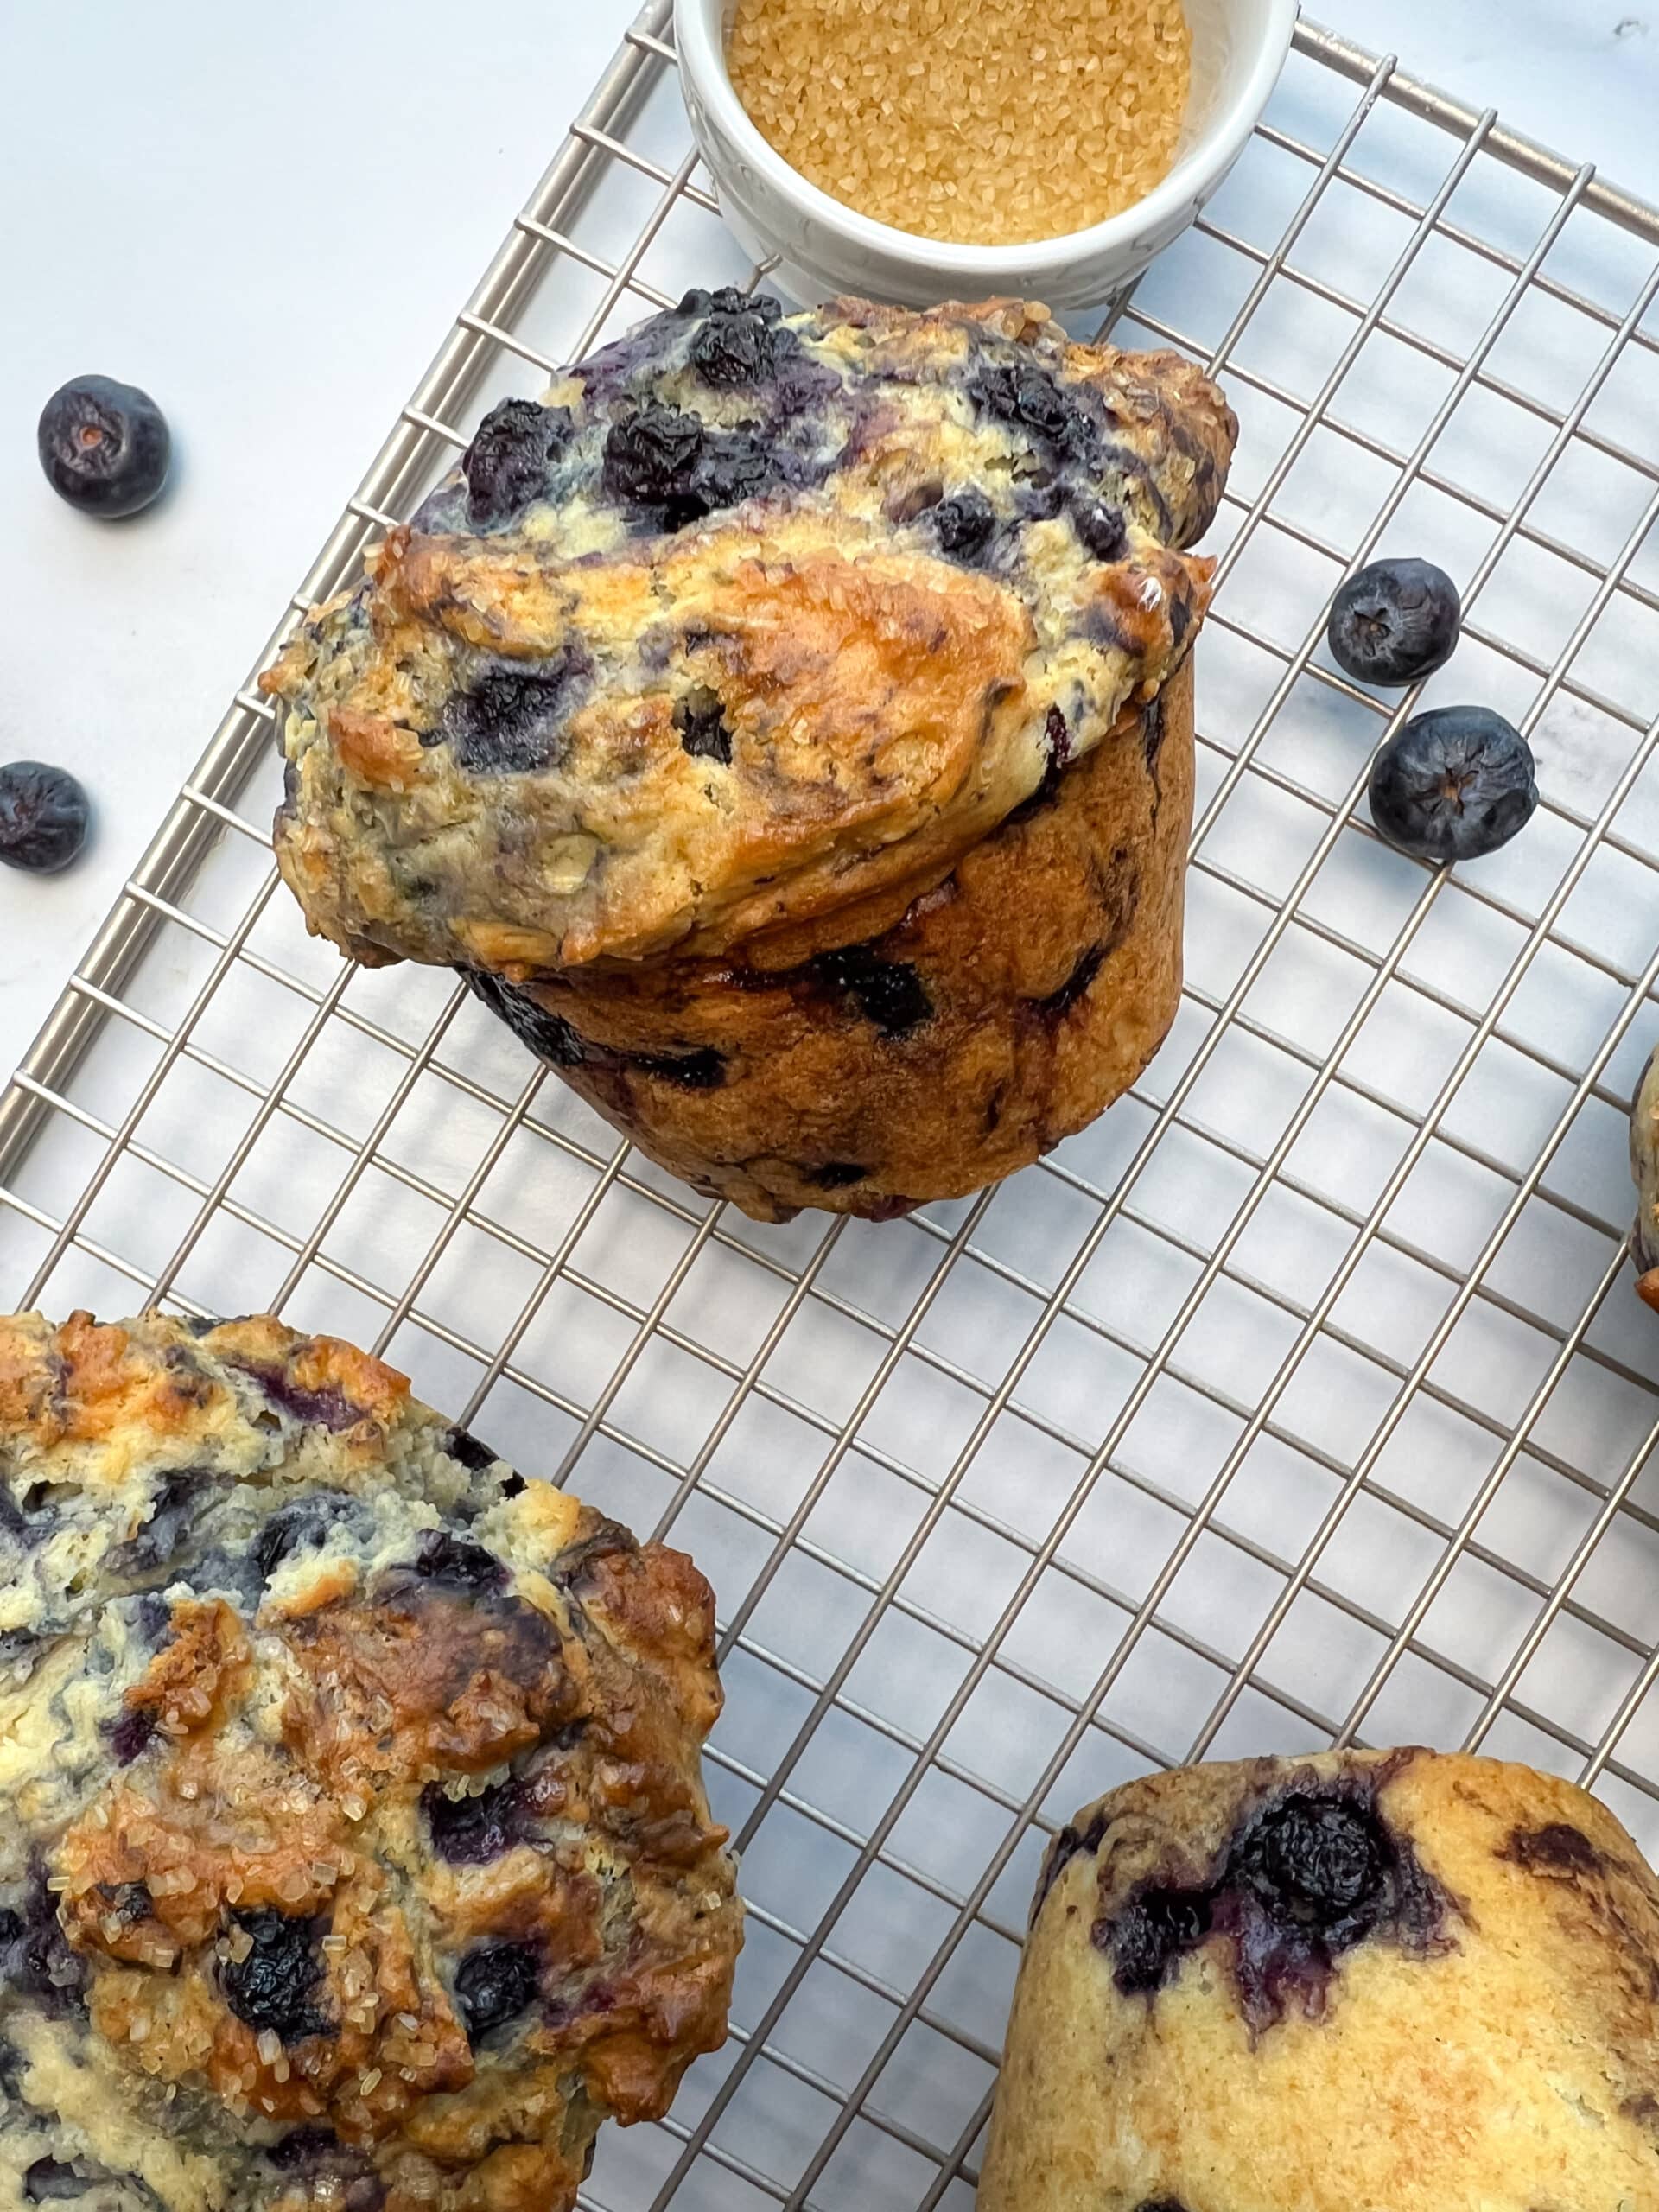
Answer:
x=267 y=217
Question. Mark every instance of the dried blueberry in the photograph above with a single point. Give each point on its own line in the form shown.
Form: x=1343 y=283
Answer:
x=162 y=1535
x=303 y=2146
x=1396 y=622
x=43 y=817
x=53 y=2181
x=835 y=1175
x=737 y=344
x=1027 y=397
x=506 y=465
x=104 y=446
x=340 y=2175
x=649 y=456
x=1317 y=1860
x=889 y=993
x=459 y=1566
x=666 y=459
x=1057 y=741
x=325 y=1408
x=131 y=1734
x=272 y=1985
x=1557 y=1848
x=734 y=466
x=1060 y=1002
x=963 y=524
x=609 y=1541
x=494 y=1983
x=1101 y=529
x=1150 y=1934
x=471 y=1831
x=703 y=1070
x=304 y=1525
x=550 y=1036
x=35 y=1956
x=1453 y=784
x=509 y=722
x=700 y=720
x=728 y=300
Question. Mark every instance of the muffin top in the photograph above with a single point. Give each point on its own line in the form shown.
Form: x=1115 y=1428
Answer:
x=754 y=616
x=353 y=1846
x=1395 y=1980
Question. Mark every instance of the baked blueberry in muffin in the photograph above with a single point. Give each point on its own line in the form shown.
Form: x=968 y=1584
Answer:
x=740 y=644
x=1359 y=1982
x=353 y=1851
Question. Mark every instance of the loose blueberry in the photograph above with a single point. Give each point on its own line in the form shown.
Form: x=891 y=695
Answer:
x=272 y=1986
x=1396 y=622
x=104 y=446
x=506 y=465
x=1453 y=784
x=494 y=1984
x=43 y=817
x=963 y=524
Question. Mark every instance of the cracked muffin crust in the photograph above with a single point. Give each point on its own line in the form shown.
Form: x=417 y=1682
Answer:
x=756 y=616
x=1359 y=1982
x=963 y=1033
x=354 y=1852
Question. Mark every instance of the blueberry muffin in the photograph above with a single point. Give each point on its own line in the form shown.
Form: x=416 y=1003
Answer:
x=354 y=1852
x=731 y=650
x=965 y=1031
x=1361 y=1983
x=1644 y=1172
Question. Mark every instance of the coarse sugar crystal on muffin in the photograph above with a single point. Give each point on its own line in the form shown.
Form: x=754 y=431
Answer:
x=353 y=1851
x=984 y=124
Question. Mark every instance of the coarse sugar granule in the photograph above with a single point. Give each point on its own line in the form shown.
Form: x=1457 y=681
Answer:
x=980 y=121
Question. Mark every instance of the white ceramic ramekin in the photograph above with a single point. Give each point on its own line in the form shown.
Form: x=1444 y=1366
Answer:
x=820 y=247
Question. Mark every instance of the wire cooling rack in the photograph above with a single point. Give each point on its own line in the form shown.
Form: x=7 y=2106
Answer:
x=1303 y=1400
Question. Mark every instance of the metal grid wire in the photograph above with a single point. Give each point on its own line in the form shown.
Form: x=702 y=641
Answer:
x=1302 y=1400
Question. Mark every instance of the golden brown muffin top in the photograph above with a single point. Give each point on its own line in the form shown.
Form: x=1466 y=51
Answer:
x=352 y=1845
x=756 y=616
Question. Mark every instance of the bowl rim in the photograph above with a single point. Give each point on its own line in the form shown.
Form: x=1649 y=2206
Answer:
x=702 y=59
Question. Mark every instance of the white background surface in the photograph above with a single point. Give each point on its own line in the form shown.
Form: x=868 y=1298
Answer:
x=267 y=217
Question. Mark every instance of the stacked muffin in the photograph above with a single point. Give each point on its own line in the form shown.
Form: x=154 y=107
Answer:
x=785 y=727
